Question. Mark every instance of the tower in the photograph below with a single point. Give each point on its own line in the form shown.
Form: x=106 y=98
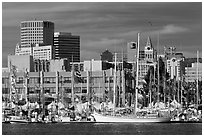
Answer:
x=149 y=51
x=66 y=45
x=36 y=32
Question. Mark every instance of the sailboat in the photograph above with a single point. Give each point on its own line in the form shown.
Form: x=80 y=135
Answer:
x=72 y=116
x=15 y=118
x=149 y=117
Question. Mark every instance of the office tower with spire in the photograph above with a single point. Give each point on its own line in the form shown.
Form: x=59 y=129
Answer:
x=149 y=51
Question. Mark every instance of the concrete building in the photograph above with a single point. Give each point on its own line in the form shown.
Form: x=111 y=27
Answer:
x=38 y=52
x=96 y=84
x=21 y=62
x=36 y=32
x=191 y=72
x=67 y=45
x=42 y=52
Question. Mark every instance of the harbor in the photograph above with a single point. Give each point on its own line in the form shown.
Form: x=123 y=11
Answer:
x=49 y=109
x=114 y=69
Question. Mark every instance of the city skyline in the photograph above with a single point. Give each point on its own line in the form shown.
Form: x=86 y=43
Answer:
x=110 y=25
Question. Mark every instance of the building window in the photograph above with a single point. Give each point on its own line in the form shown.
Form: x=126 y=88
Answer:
x=111 y=80
x=34 y=80
x=67 y=90
x=106 y=80
x=5 y=80
x=47 y=90
x=31 y=90
x=84 y=91
x=19 y=80
x=5 y=90
x=67 y=79
x=49 y=80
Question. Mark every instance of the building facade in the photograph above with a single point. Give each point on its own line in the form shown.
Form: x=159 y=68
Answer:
x=38 y=52
x=96 y=84
x=36 y=32
x=21 y=63
x=67 y=45
x=191 y=74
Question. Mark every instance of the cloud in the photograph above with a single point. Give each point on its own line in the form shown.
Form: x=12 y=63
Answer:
x=102 y=44
x=172 y=29
x=107 y=25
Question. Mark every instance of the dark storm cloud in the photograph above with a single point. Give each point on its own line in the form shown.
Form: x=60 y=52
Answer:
x=109 y=25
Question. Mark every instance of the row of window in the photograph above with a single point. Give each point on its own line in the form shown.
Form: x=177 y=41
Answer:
x=52 y=90
x=31 y=24
x=36 y=80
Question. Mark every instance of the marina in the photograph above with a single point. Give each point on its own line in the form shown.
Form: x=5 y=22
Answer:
x=113 y=69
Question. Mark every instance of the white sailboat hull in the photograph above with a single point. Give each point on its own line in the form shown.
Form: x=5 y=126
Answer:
x=102 y=118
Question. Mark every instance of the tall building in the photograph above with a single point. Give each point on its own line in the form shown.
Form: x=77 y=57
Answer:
x=67 y=45
x=36 y=32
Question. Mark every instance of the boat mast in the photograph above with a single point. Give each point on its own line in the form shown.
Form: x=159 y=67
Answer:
x=158 y=70
x=57 y=89
x=42 y=92
x=114 y=84
x=164 y=77
x=137 y=69
x=26 y=85
x=197 y=77
x=72 y=82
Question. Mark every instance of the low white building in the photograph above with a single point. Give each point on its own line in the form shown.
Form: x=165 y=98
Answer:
x=38 y=52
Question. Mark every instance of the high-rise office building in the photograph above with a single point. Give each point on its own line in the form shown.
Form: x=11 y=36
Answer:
x=36 y=32
x=67 y=45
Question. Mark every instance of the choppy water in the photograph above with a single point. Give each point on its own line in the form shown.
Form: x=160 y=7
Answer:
x=103 y=129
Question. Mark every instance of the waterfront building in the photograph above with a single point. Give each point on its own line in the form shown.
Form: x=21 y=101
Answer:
x=191 y=72
x=98 y=84
x=67 y=45
x=21 y=63
x=36 y=32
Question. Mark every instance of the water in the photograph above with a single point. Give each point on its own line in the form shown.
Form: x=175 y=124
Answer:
x=103 y=129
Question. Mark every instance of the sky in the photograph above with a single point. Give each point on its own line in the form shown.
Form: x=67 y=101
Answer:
x=110 y=25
